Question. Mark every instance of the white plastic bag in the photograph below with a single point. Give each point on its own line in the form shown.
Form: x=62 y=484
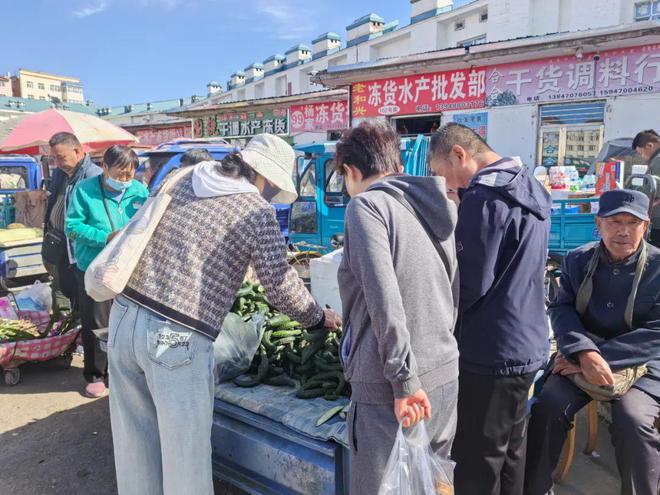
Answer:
x=413 y=468
x=38 y=297
x=236 y=345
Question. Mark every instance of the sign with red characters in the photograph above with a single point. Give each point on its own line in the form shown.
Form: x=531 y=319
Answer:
x=426 y=93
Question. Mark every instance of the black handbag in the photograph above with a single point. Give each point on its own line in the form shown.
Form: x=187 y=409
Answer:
x=54 y=249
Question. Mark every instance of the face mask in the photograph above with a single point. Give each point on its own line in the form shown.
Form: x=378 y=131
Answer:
x=117 y=185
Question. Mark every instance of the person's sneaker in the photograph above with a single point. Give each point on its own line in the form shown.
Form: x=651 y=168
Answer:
x=95 y=390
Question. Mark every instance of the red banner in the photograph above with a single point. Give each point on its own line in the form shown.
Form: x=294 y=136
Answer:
x=426 y=93
x=163 y=134
x=329 y=116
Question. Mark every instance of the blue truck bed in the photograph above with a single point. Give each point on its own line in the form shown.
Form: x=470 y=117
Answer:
x=265 y=441
x=570 y=228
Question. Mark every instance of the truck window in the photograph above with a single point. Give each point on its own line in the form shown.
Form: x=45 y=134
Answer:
x=303 y=218
x=335 y=192
x=308 y=180
x=12 y=178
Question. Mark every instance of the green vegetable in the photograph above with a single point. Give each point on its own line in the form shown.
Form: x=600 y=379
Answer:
x=329 y=414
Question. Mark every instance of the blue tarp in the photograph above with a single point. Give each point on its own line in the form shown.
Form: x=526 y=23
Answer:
x=281 y=405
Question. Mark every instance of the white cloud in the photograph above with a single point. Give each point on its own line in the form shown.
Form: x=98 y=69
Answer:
x=91 y=9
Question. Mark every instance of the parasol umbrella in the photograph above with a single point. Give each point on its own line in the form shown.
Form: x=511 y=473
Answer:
x=30 y=133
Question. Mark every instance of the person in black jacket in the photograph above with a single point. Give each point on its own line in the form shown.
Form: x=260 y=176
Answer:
x=606 y=318
x=502 y=332
x=73 y=165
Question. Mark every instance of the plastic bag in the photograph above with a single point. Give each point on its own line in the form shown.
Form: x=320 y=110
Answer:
x=236 y=345
x=414 y=469
x=38 y=297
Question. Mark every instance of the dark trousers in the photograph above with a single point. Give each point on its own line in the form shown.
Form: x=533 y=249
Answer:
x=93 y=315
x=64 y=287
x=489 y=449
x=634 y=435
x=372 y=430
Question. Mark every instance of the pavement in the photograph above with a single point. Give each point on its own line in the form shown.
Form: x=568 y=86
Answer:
x=55 y=441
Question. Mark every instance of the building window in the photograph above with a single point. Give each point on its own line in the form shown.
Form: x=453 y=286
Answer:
x=2 y=84
x=564 y=130
x=459 y=25
x=42 y=98
x=30 y=97
x=472 y=41
x=645 y=11
x=55 y=88
x=483 y=17
x=29 y=84
x=41 y=86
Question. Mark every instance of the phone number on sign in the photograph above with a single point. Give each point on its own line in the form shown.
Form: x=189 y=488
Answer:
x=625 y=91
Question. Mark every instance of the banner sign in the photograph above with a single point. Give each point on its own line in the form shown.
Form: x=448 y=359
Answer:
x=426 y=93
x=329 y=116
x=478 y=122
x=617 y=72
x=242 y=124
x=162 y=135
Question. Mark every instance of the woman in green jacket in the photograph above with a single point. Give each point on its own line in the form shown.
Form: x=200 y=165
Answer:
x=100 y=207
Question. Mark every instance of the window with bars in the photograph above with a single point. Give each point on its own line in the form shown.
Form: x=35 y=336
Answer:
x=564 y=130
x=645 y=11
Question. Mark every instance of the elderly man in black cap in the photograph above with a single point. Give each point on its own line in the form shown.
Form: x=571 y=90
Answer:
x=606 y=318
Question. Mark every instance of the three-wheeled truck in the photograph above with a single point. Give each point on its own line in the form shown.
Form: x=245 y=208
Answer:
x=20 y=260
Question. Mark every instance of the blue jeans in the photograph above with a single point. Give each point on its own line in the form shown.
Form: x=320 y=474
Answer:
x=161 y=403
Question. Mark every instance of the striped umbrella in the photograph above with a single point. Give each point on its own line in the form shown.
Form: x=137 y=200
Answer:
x=30 y=134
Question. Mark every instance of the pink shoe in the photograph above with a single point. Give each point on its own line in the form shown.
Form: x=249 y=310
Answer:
x=95 y=390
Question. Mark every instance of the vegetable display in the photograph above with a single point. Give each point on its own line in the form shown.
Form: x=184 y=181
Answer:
x=14 y=330
x=289 y=352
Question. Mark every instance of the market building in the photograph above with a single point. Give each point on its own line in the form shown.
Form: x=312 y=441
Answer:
x=150 y=122
x=433 y=25
x=299 y=118
x=550 y=99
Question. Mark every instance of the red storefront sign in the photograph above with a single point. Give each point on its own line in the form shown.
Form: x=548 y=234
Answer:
x=160 y=135
x=427 y=93
x=620 y=72
x=329 y=116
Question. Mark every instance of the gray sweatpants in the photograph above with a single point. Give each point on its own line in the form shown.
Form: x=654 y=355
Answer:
x=372 y=430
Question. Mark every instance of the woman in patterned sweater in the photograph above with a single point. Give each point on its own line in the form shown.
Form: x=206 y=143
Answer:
x=160 y=344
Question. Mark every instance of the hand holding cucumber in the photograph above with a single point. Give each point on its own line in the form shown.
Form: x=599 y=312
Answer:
x=412 y=409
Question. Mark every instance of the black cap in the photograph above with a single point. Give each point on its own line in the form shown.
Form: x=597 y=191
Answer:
x=619 y=201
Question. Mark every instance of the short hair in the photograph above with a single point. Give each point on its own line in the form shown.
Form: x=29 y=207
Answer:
x=372 y=147
x=64 y=138
x=194 y=156
x=645 y=137
x=120 y=156
x=235 y=167
x=450 y=134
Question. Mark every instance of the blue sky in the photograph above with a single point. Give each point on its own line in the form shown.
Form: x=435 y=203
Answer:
x=132 y=51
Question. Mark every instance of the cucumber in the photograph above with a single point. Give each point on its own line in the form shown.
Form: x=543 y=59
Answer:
x=246 y=381
x=280 y=381
x=310 y=394
x=329 y=385
x=314 y=335
x=329 y=414
x=278 y=334
x=311 y=350
x=291 y=356
x=330 y=396
x=285 y=341
x=279 y=320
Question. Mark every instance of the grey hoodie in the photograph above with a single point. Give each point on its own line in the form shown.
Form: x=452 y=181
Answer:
x=397 y=299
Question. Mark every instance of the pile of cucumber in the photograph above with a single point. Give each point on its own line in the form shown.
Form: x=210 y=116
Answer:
x=289 y=354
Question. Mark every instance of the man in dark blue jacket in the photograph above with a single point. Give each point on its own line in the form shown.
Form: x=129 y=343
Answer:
x=606 y=318
x=73 y=166
x=502 y=333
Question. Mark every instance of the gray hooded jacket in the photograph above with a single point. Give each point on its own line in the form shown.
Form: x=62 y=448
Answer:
x=397 y=296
